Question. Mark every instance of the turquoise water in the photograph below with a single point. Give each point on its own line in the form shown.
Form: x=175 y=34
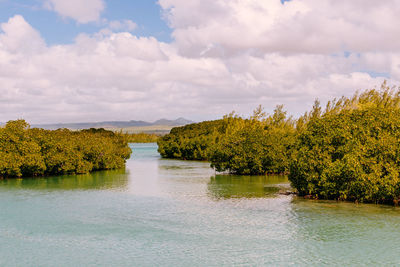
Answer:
x=175 y=213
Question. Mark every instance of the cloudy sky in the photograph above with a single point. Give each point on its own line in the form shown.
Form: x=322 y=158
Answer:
x=95 y=60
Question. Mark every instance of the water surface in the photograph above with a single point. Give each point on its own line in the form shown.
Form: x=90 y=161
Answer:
x=175 y=213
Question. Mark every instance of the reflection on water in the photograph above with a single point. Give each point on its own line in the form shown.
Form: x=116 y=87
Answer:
x=112 y=179
x=235 y=186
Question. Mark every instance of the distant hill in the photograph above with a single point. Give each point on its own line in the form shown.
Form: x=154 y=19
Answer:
x=177 y=122
x=162 y=125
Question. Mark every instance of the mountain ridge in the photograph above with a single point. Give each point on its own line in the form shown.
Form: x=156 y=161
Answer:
x=113 y=124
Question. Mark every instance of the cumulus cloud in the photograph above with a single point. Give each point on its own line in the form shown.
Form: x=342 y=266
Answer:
x=297 y=26
x=19 y=37
x=81 y=11
x=229 y=54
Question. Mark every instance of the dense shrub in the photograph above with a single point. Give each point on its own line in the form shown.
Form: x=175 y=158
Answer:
x=193 y=141
x=141 y=138
x=258 y=145
x=38 y=152
x=351 y=151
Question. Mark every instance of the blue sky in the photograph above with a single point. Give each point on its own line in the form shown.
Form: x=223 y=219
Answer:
x=147 y=14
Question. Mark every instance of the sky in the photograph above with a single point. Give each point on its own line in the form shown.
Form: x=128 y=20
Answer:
x=97 y=60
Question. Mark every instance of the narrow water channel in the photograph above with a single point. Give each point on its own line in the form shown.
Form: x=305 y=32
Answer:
x=176 y=213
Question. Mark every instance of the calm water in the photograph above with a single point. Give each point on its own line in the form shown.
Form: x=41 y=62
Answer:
x=175 y=213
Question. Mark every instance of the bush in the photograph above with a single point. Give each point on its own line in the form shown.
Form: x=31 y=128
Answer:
x=258 y=145
x=38 y=152
x=351 y=151
x=141 y=138
x=191 y=142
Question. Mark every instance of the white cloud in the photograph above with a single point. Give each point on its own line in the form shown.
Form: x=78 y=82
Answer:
x=227 y=55
x=81 y=11
x=298 y=26
x=19 y=37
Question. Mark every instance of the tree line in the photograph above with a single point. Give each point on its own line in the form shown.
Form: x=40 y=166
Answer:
x=348 y=150
x=27 y=152
x=141 y=137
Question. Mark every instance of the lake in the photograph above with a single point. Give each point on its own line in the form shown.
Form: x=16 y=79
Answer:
x=161 y=212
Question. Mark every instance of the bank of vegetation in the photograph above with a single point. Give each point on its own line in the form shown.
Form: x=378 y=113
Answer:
x=141 y=137
x=349 y=150
x=27 y=152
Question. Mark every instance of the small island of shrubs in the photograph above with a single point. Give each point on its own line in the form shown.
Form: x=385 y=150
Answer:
x=348 y=151
x=30 y=152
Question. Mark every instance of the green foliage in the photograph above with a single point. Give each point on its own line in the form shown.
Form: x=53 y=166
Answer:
x=141 y=138
x=351 y=151
x=38 y=152
x=348 y=151
x=257 y=145
x=191 y=142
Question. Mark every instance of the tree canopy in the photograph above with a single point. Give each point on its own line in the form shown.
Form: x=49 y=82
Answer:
x=350 y=150
x=37 y=152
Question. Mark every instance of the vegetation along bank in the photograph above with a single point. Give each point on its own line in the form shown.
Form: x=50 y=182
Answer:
x=141 y=138
x=26 y=152
x=350 y=150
